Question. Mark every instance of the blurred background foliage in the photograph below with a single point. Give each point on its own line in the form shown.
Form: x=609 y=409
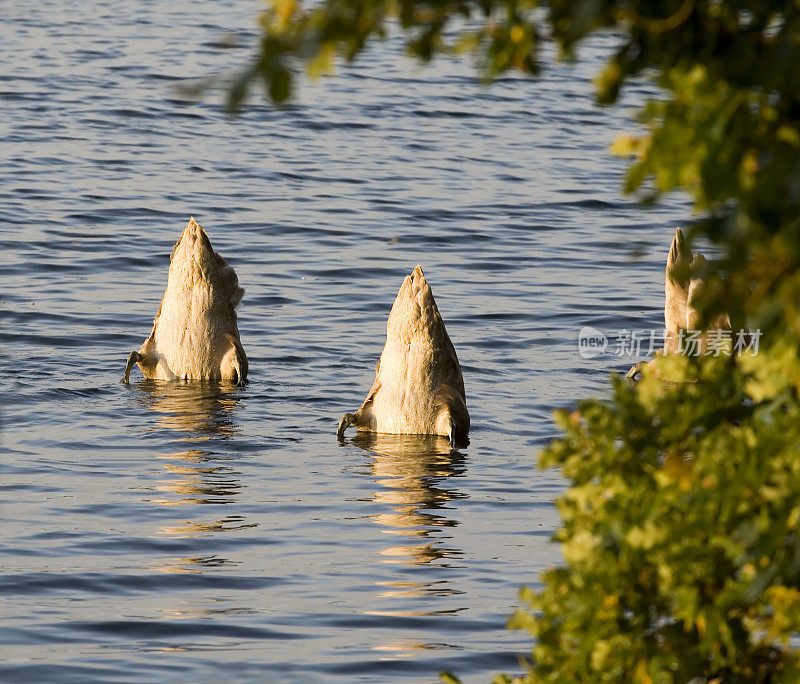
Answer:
x=680 y=527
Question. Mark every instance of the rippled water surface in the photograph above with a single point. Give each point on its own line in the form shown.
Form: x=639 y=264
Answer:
x=157 y=532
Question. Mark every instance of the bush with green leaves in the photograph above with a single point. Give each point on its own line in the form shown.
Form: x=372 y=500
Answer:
x=680 y=531
x=680 y=525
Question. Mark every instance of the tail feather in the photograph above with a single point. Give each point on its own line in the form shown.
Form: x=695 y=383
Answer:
x=230 y=281
x=676 y=289
x=679 y=254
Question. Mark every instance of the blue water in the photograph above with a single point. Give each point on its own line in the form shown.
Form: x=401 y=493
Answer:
x=190 y=533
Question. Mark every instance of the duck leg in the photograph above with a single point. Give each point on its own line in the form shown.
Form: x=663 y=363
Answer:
x=635 y=370
x=133 y=357
x=347 y=420
x=234 y=363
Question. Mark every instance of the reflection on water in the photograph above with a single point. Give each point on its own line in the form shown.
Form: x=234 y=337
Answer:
x=194 y=564
x=412 y=471
x=408 y=648
x=200 y=412
x=197 y=478
x=187 y=528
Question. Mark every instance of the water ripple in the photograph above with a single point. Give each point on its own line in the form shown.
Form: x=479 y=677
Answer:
x=180 y=532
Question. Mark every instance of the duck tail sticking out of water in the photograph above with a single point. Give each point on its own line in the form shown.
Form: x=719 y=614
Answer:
x=418 y=385
x=683 y=280
x=195 y=336
x=676 y=289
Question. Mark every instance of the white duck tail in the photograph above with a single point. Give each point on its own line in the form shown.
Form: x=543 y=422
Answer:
x=676 y=290
x=418 y=386
x=684 y=283
x=195 y=336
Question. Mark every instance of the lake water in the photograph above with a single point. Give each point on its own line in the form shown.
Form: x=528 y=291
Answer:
x=192 y=533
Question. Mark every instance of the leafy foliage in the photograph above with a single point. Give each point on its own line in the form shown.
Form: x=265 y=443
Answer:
x=680 y=528
x=680 y=533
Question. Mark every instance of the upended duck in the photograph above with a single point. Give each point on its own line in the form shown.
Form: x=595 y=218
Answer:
x=418 y=386
x=195 y=336
x=680 y=295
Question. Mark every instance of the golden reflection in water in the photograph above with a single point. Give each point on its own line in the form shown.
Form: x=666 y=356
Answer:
x=200 y=410
x=193 y=565
x=198 y=413
x=408 y=648
x=195 y=477
x=218 y=607
x=410 y=470
x=187 y=528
